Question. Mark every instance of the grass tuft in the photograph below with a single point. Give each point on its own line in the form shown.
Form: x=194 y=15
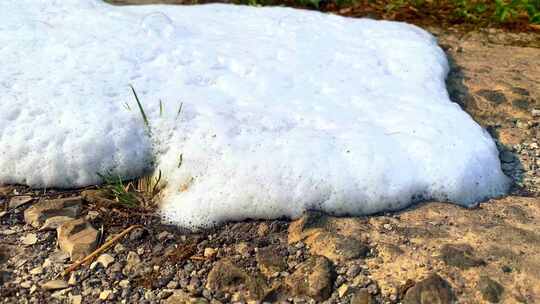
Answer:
x=147 y=187
x=120 y=193
x=138 y=193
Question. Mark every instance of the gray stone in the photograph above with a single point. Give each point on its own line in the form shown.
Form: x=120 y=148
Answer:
x=59 y=257
x=165 y=235
x=373 y=288
x=353 y=270
x=55 y=285
x=136 y=234
x=507 y=156
x=105 y=260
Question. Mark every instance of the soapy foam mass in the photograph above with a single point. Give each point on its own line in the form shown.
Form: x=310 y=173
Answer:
x=283 y=110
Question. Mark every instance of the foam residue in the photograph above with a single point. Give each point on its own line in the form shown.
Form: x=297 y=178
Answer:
x=283 y=110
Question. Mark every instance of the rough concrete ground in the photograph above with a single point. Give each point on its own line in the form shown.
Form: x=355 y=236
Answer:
x=431 y=253
x=495 y=77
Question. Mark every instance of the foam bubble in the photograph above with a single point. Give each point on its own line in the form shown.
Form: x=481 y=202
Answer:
x=158 y=25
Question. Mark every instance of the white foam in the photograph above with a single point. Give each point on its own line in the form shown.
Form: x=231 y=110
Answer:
x=284 y=110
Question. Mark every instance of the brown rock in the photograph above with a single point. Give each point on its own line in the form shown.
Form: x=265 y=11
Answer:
x=460 y=255
x=336 y=247
x=432 y=290
x=310 y=223
x=6 y=190
x=496 y=97
x=181 y=297
x=78 y=238
x=97 y=196
x=335 y=238
x=313 y=278
x=500 y=236
x=17 y=201
x=270 y=261
x=38 y=213
x=491 y=290
x=29 y=239
x=227 y=277
x=53 y=223
x=209 y=252
x=362 y=296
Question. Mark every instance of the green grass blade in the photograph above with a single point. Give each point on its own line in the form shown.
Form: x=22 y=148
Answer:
x=141 y=109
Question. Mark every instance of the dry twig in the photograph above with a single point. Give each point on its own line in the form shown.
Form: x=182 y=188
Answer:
x=100 y=250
